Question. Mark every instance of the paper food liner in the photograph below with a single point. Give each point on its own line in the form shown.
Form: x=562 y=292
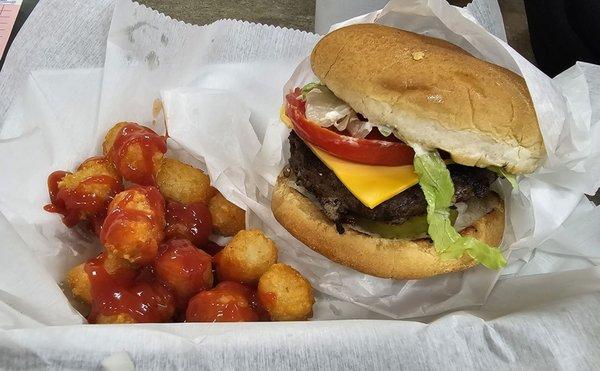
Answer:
x=221 y=86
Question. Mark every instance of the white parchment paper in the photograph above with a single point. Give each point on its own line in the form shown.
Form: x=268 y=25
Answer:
x=221 y=86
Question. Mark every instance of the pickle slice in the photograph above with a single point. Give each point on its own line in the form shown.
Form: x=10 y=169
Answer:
x=413 y=227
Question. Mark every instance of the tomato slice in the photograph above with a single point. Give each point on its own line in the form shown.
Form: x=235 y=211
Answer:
x=364 y=151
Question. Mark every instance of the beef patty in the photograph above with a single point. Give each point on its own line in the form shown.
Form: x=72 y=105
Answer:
x=341 y=206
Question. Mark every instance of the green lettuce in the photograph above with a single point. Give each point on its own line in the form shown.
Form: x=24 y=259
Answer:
x=435 y=181
x=308 y=87
x=512 y=179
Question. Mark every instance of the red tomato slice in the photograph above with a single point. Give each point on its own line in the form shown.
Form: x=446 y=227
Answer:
x=363 y=151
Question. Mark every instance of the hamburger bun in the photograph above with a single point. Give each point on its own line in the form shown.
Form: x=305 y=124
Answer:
x=382 y=257
x=433 y=93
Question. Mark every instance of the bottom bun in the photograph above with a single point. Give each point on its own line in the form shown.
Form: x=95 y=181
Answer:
x=382 y=257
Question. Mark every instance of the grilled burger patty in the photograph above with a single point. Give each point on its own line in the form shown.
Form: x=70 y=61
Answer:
x=340 y=205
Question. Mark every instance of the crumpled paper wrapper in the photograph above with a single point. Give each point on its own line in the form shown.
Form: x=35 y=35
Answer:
x=221 y=86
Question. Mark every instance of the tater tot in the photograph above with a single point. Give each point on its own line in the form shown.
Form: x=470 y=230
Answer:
x=285 y=294
x=111 y=135
x=136 y=151
x=78 y=278
x=185 y=269
x=227 y=218
x=183 y=183
x=135 y=224
x=84 y=194
x=246 y=257
x=80 y=284
x=192 y=222
x=212 y=192
x=143 y=302
x=227 y=302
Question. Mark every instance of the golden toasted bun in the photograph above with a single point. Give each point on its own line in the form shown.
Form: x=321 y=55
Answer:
x=434 y=94
x=382 y=257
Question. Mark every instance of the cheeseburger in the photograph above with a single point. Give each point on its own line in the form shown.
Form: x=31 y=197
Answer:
x=394 y=150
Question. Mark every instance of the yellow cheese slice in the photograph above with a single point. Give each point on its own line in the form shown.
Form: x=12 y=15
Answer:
x=371 y=184
x=283 y=117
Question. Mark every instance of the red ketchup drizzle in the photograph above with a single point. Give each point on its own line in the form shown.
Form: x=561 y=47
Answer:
x=120 y=293
x=53 y=179
x=149 y=142
x=148 y=274
x=96 y=224
x=76 y=204
x=267 y=299
x=191 y=221
x=227 y=302
x=183 y=268
x=258 y=305
x=114 y=225
x=106 y=287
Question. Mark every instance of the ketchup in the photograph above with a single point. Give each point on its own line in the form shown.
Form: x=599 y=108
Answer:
x=259 y=306
x=227 y=302
x=116 y=227
x=55 y=205
x=121 y=293
x=96 y=223
x=139 y=172
x=185 y=269
x=77 y=204
x=191 y=221
x=267 y=299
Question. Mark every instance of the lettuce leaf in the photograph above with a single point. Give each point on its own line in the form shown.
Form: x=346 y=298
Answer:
x=308 y=87
x=435 y=181
x=512 y=179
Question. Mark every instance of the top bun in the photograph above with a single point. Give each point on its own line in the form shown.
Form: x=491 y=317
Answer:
x=433 y=93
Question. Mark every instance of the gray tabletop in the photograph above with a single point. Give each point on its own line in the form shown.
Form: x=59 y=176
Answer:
x=284 y=13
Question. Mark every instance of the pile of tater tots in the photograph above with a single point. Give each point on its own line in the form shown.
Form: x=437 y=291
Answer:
x=155 y=217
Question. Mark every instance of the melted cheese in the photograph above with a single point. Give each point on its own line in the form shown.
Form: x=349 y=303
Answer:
x=283 y=117
x=371 y=184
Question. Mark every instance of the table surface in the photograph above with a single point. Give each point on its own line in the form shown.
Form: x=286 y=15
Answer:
x=284 y=13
